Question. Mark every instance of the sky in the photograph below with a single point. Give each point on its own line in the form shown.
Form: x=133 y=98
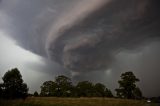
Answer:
x=94 y=40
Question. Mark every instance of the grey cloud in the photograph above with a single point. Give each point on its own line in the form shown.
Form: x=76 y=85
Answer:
x=47 y=67
x=30 y=21
x=91 y=43
x=144 y=64
x=88 y=37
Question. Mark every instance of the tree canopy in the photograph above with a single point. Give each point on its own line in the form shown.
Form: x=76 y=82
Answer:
x=63 y=87
x=85 y=89
x=48 y=88
x=13 y=86
x=127 y=87
x=36 y=94
x=100 y=89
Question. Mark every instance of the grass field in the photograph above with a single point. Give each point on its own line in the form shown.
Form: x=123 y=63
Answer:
x=50 y=101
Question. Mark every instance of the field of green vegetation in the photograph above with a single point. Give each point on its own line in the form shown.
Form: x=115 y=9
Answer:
x=51 y=101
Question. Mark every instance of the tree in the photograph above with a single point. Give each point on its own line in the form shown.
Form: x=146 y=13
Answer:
x=99 y=90
x=127 y=86
x=48 y=88
x=36 y=94
x=108 y=93
x=137 y=93
x=64 y=86
x=1 y=90
x=85 y=89
x=13 y=85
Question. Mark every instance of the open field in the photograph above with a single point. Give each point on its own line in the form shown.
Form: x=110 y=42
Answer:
x=50 y=101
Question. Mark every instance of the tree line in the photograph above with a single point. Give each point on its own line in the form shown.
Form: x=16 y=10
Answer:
x=63 y=87
x=13 y=87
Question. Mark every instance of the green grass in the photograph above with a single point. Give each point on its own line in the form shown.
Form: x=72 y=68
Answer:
x=50 y=101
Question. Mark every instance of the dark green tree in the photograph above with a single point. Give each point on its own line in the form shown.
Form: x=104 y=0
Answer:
x=108 y=93
x=85 y=89
x=99 y=90
x=13 y=85
x=127 y=85
x=1 y=90
x=48 y=88
x=64 y=86
x=36 y=94
x=137 y=93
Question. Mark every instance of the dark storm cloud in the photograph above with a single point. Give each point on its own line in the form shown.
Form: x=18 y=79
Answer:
x=90 y=43
x=87 y=36
x=83 y=39
x=30 y=21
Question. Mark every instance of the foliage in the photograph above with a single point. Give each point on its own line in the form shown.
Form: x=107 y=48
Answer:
x=36 y=94
x=64 y=86
x=108 y=93
x=48 y=88
x=85 y=89
x=127 y=87
x=137 y=93
x=99 y=90
x=1 y=90
x=13 y=86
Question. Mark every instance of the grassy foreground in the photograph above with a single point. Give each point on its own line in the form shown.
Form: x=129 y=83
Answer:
x=50 y=101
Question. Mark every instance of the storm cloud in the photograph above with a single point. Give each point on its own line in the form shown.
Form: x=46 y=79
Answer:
x=89 y=42
x=83 y=35
x=90 y=39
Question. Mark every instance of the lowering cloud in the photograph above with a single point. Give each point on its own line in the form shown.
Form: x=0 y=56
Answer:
x=87 y=39
x=94 y=40
x=83 y=35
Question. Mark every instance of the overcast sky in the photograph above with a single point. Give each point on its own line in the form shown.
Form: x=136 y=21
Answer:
x=93 y=40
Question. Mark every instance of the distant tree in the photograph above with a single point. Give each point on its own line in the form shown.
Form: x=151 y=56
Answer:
x=137 y=93
x=36 y=94
x=108 y=93
x=127 y=86
x=99 y=90
x=64 y=86
x=13 y=85
x=48 y=88
x=74 y=91
x=1 y=90
x=85 y=89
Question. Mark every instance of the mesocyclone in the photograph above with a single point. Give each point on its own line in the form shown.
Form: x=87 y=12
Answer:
x=86 y=37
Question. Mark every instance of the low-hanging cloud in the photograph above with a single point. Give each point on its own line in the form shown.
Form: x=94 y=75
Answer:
x=89 y=42
x=95 y=40
x=83 y=35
